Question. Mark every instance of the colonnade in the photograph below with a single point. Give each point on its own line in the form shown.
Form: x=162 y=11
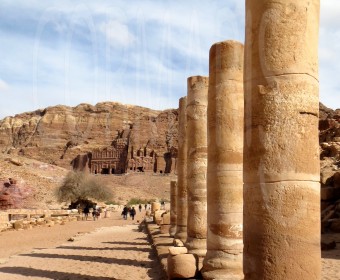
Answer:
x=248 y=202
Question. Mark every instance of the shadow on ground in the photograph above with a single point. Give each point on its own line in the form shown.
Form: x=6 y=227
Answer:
x=32 y=272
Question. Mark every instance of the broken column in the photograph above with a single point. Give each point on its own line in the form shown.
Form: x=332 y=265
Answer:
x=225 y=162
x=182 y=204
x=173 y=208
x=197 y=101
x=281 y=152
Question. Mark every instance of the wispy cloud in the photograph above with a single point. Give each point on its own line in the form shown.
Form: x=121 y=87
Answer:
x=141 y=52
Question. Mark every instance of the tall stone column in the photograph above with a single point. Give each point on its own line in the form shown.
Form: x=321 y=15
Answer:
x=173 y=208
x=225 y=162
x=281 y=152
x=197 y=102
x=182 y=203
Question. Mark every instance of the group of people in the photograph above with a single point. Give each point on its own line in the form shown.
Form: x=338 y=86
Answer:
x=132 y=211
x=94 y=210
x=128 y=210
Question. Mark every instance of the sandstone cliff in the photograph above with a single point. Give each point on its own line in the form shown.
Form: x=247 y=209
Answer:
x=58 y=134
x=329 y=126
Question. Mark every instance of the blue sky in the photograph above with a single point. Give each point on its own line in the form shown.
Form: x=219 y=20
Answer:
x=133 y=52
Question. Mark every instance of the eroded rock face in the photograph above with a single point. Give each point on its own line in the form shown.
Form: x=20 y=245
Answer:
x=329 y=136
x=12 y=194
x=58 y=134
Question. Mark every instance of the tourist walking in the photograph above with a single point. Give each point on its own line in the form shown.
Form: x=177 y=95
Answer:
x=95 y=214
x=86 y=212
x=133 y=213
x=140 y=207
x=125 y=212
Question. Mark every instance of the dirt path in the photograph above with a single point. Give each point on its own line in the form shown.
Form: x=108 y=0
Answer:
x=110 y=248
x=115 y=252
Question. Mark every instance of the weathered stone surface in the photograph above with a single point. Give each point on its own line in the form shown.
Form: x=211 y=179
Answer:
x=18 y=224
x=173 y=208
x=13 y=194
x=173 y=251
x=166 y=218
x=155 y=206
x=281 y=175
x=182 y=266
x=225 y=162
x=182 y=195
x=178 y=243
x=197 y=102
x=158 y=216
x=164 y=228
x=58 y=134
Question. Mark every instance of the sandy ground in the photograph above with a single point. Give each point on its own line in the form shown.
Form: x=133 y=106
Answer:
x=114 y=249
x=331 y=259
x=106 y=249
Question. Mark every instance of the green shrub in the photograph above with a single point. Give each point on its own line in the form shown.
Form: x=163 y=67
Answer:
x=112 y=202
x=135 y=201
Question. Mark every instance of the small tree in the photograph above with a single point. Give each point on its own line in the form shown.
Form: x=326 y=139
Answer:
x=80 y=187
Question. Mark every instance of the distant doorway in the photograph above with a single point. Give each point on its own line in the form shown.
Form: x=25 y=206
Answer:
x=105 y=171
x=113 y=171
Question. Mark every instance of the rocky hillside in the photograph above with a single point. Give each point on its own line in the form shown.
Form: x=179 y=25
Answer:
x=56 y=135
x=329 y=137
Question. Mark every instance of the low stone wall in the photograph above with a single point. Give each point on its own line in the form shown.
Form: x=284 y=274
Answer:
x=35 y=217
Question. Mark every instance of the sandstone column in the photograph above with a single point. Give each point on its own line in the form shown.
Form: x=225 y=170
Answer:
x=225 y=162
x=173 y=208
x=281 y=152
x=182 y=204
x=197 y=101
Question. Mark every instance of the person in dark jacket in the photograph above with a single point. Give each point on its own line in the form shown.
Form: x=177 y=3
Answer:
x=133 y=213
x=125 y=212
x=86 y=212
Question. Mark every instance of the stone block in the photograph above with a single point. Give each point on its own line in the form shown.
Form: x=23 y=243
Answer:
x=165 y=229
x=178 y=243
x=182 y=266
x=161 y=240
x=166 y=218
x=155 y=206
x=158 y=216
x=174 y=251
x=41 y=222
x=18 y=225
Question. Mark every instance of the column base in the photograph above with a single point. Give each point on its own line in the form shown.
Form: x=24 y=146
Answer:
x=172 y=231
x=181 y=233
x=196 y=246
